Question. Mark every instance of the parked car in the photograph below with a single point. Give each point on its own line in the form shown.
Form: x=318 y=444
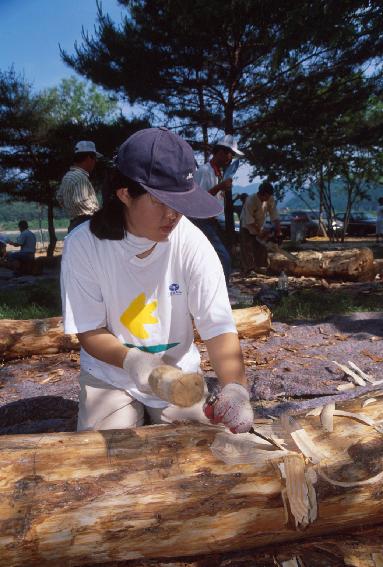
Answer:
x=310 y=219
x=360 y=223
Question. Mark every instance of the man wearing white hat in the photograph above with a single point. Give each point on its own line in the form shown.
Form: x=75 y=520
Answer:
x=210 y=177
x=76 y=194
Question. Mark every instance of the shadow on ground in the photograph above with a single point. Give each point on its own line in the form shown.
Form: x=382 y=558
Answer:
x=41 y=414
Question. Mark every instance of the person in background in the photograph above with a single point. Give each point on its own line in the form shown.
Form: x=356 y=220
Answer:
x=76 y=194
x=27 y=243
x=135 y=278
x=252 y=219
x=379 y=221
x=210 y=176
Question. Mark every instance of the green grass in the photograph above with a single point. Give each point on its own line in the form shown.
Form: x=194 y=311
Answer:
x=317 y=305
x=31 y=302
x=43 y=300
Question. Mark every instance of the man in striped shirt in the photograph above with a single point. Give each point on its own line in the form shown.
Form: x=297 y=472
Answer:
x=76 y=194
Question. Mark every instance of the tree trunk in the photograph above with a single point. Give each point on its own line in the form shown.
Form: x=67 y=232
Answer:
x=353 y=264
x=51 y=229
x=45 y=336
x=160 y=491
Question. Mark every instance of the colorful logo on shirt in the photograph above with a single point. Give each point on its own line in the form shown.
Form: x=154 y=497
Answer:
x=174 y=289
x=137 y=317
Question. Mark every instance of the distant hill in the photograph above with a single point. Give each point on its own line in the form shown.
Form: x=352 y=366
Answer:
x=311 y=200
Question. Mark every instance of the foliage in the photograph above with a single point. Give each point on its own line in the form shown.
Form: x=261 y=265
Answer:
x=36 y=140
x=79 y=102
x=281 y=75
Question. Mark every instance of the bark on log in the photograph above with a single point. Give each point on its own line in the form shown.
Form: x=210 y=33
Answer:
x=159 y=492
x=45 y=336
x=352 y=264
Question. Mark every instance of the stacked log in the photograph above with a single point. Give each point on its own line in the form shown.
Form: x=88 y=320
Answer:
x=165 y=491
x=46 y=336
x=349 y=265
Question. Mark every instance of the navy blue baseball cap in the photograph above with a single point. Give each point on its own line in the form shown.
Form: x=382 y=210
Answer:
x=164 y=165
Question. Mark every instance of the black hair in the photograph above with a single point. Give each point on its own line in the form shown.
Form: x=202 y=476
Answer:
x=266 y=187
x=108 y=222
x=23 y=225
x=218 y=147
x=79 y=157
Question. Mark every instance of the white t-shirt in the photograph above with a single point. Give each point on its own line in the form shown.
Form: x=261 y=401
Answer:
x=206 y=178
x=149 y=302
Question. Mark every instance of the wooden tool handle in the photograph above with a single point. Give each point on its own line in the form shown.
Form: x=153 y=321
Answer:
x=179 y=388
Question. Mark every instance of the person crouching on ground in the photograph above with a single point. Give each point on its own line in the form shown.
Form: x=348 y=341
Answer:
x=255 y=209
x=133 y=280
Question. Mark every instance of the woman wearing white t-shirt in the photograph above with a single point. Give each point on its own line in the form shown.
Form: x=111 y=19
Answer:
x=134 y=279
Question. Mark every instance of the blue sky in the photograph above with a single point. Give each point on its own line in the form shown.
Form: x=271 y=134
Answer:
x=32 y=30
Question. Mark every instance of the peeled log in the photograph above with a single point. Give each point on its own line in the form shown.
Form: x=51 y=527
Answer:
x=351 y=264
x=34 y=336
x=354 y=549
x=46 y=336
x=157 y=492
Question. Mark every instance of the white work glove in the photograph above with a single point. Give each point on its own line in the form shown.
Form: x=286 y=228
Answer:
x=232 y=408
x=139 y=364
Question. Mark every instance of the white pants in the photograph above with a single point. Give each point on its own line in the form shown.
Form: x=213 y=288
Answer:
x=102 y=406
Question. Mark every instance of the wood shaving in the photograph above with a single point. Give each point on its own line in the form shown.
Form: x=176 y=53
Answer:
x=360 y=372
x=341 y=337
x=372 y=480
x=345 y=387
x=302 y=440
x=314 y=412
x=297 y=490
x=360 y=417
x=244 y=448
x=368 y=402
x=373 y=357
x=327 y=417
x=356 y=378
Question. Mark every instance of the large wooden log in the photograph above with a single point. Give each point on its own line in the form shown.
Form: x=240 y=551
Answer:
x=45 y=336
x=352 y=264
x=91 y=497
x=362 y=548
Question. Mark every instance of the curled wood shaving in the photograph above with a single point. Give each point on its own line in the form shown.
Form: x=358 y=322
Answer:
x=357 y=379
x=368 y=401
x=299 y=490
x=362 y=374
x=372 y=480
x=327 y=417
x=243 y=448
x=360 y=417
x=302 y=440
